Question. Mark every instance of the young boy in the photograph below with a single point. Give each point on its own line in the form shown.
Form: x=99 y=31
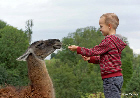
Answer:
x=107 y=54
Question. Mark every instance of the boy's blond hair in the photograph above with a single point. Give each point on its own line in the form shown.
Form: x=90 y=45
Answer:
x=111 y=18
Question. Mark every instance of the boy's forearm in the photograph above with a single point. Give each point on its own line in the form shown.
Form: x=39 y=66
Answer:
x=79 y=50
x=94 y=59
x=85 y=52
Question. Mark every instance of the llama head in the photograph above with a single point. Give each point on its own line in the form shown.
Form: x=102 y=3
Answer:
x=41 y=49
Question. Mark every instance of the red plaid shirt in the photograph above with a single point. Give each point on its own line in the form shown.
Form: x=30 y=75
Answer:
x=107 y=54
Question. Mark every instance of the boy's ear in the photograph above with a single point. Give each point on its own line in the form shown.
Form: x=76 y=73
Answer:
x=110 y=26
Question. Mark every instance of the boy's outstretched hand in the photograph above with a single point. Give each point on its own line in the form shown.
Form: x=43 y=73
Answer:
x=86 y=58
x=73 y=47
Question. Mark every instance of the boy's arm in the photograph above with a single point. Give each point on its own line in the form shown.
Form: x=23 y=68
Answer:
x=94 y=59
x=102 y=48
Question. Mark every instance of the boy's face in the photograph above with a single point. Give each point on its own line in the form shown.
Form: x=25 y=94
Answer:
x=103 y=27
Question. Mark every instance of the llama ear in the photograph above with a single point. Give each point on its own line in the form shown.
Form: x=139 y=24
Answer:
x=24 y=56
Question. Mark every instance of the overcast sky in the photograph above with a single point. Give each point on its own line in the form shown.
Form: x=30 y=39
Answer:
x=57 y=18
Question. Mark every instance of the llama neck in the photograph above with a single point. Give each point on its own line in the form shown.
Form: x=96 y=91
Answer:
x=38 y=75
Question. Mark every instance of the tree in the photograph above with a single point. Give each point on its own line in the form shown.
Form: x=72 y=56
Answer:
x=65 y=82
x=13 y=43
x=134 y=84
x=2 y=24
x=53 y=55
x=28 y=31
x=3 y=75
x=127 y=61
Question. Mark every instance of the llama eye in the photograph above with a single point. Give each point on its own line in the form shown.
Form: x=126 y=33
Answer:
x=39 y=44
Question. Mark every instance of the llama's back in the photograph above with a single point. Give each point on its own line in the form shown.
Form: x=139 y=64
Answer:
x=24 y=92
x=8 y=92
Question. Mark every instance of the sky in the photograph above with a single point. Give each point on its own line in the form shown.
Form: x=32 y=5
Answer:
x=56 y=18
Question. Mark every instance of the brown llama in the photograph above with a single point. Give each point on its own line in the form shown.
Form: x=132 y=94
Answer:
x=41 y=85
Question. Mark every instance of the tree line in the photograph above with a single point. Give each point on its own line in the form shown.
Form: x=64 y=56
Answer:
x=13 y=43
x=72 y=76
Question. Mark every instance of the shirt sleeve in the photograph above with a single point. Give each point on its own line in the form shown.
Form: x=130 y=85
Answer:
x=94 y=59
x=103 y=47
